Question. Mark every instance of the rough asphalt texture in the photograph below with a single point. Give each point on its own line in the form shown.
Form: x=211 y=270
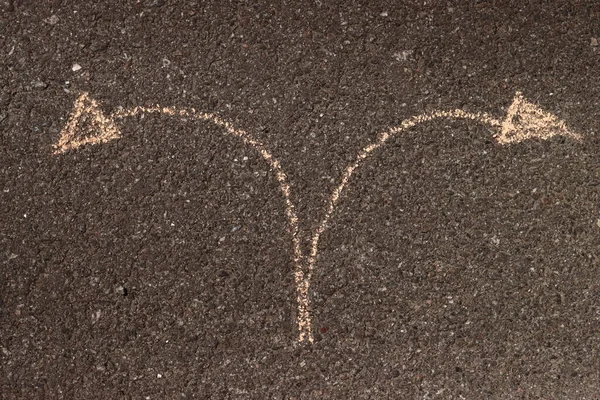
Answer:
x=159 y=266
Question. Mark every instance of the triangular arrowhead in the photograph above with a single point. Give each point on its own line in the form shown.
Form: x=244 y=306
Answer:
x=525 y=120
x=87 y=125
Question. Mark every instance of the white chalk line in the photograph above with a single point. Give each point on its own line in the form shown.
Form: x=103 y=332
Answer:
x=89 y=106
x=303 y=317
x=108 y=131
x=536 y=124
x=366 y=152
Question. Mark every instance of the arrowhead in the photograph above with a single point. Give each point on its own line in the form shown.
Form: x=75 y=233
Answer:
x=525 y=120
x=87 y=125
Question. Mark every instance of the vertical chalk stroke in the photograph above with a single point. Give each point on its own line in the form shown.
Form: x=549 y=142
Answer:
x=524 y=120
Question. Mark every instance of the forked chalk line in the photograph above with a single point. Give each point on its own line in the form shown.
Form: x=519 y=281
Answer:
x=523 y=121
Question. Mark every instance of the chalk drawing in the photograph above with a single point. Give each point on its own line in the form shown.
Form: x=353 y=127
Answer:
x=527 y=121
x=524 y=120
x=105 y=130
x=87 y=125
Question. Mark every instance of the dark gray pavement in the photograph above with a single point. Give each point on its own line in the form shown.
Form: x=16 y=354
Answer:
x=161 y=265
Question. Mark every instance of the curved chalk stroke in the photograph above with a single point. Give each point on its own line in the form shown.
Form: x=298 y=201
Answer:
x=365 y=152
x=523 y=121
x=87 y=118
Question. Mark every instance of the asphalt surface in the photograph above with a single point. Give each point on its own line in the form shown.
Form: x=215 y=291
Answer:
x=160 y=265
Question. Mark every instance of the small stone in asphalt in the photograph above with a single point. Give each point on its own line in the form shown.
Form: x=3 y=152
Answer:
x=39 y=84
x=99 y=45
x=122 y=290
x=52 y=20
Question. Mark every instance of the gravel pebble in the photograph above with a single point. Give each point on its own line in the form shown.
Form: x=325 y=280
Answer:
x=52 y=20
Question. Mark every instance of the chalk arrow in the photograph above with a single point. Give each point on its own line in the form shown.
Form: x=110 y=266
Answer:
x=525 y=120
x=87 y=125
